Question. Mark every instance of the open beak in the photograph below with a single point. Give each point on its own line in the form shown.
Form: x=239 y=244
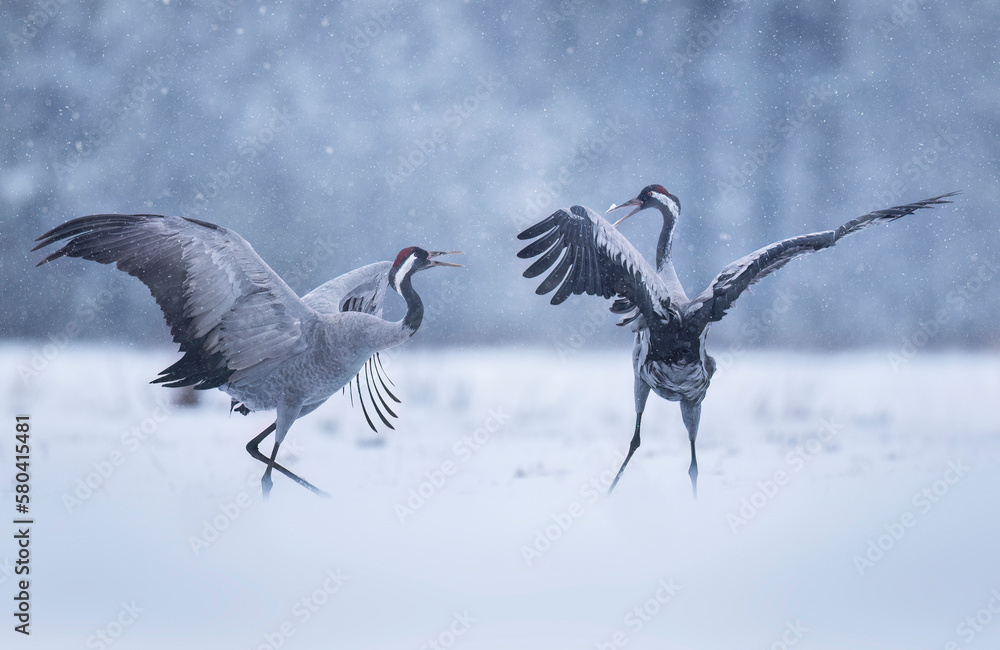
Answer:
x=636 y=202
x=437 y=253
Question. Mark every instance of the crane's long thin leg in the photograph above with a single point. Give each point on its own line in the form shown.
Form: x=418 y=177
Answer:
x=641 y=393
x=286 y=416
x=253 y=447
x=691 y=414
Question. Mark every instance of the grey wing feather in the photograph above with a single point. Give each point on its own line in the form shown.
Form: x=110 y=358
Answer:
x=588 y=255
x=713 y=303
x=233 y=317
x=362 y=290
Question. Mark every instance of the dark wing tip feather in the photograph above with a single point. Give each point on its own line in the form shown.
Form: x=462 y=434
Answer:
x=940 y=199
x=888 y=215
x=903 y=210
x=572 y=276
x=109 y=224
x=95 y=222
x=544 y=262
x=557 y=276
x=540 y=245
x=541 y=227
x=78 y=226
x=54 y=256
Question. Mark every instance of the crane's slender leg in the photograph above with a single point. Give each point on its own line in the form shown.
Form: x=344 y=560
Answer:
x=691 y=414
x=286 y=416
x=253 y=449
x=641 y=393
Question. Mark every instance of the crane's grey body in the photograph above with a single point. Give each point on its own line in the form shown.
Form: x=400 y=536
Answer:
x=589 y=255
x=241 y=328
x=335 y=351
x=336 y=345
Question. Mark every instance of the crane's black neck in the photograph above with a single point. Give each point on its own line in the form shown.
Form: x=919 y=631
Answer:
x=663 y=255
x=414 y=306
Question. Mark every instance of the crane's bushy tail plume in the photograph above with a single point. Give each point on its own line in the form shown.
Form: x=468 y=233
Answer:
x=375 y=375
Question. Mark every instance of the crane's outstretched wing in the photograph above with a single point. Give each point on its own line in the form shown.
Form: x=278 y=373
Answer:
x=233 y=317
x=595 y=259
x=713 y=303
x=362 y=290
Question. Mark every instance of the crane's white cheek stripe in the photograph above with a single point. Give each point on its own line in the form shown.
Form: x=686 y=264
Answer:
x=667 y=201
x=404 y=270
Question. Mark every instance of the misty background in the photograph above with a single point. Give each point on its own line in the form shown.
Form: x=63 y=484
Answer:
x=331 y=135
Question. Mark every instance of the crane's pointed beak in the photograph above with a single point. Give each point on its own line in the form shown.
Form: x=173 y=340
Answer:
x=636 y=202
x=437 y=253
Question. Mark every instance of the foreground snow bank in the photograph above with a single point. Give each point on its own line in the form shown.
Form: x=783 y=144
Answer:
x=843 y=502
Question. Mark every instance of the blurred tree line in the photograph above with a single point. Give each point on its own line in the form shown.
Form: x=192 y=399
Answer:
x=331 y=135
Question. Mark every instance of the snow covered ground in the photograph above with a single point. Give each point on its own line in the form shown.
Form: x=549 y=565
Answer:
x=843 y=503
